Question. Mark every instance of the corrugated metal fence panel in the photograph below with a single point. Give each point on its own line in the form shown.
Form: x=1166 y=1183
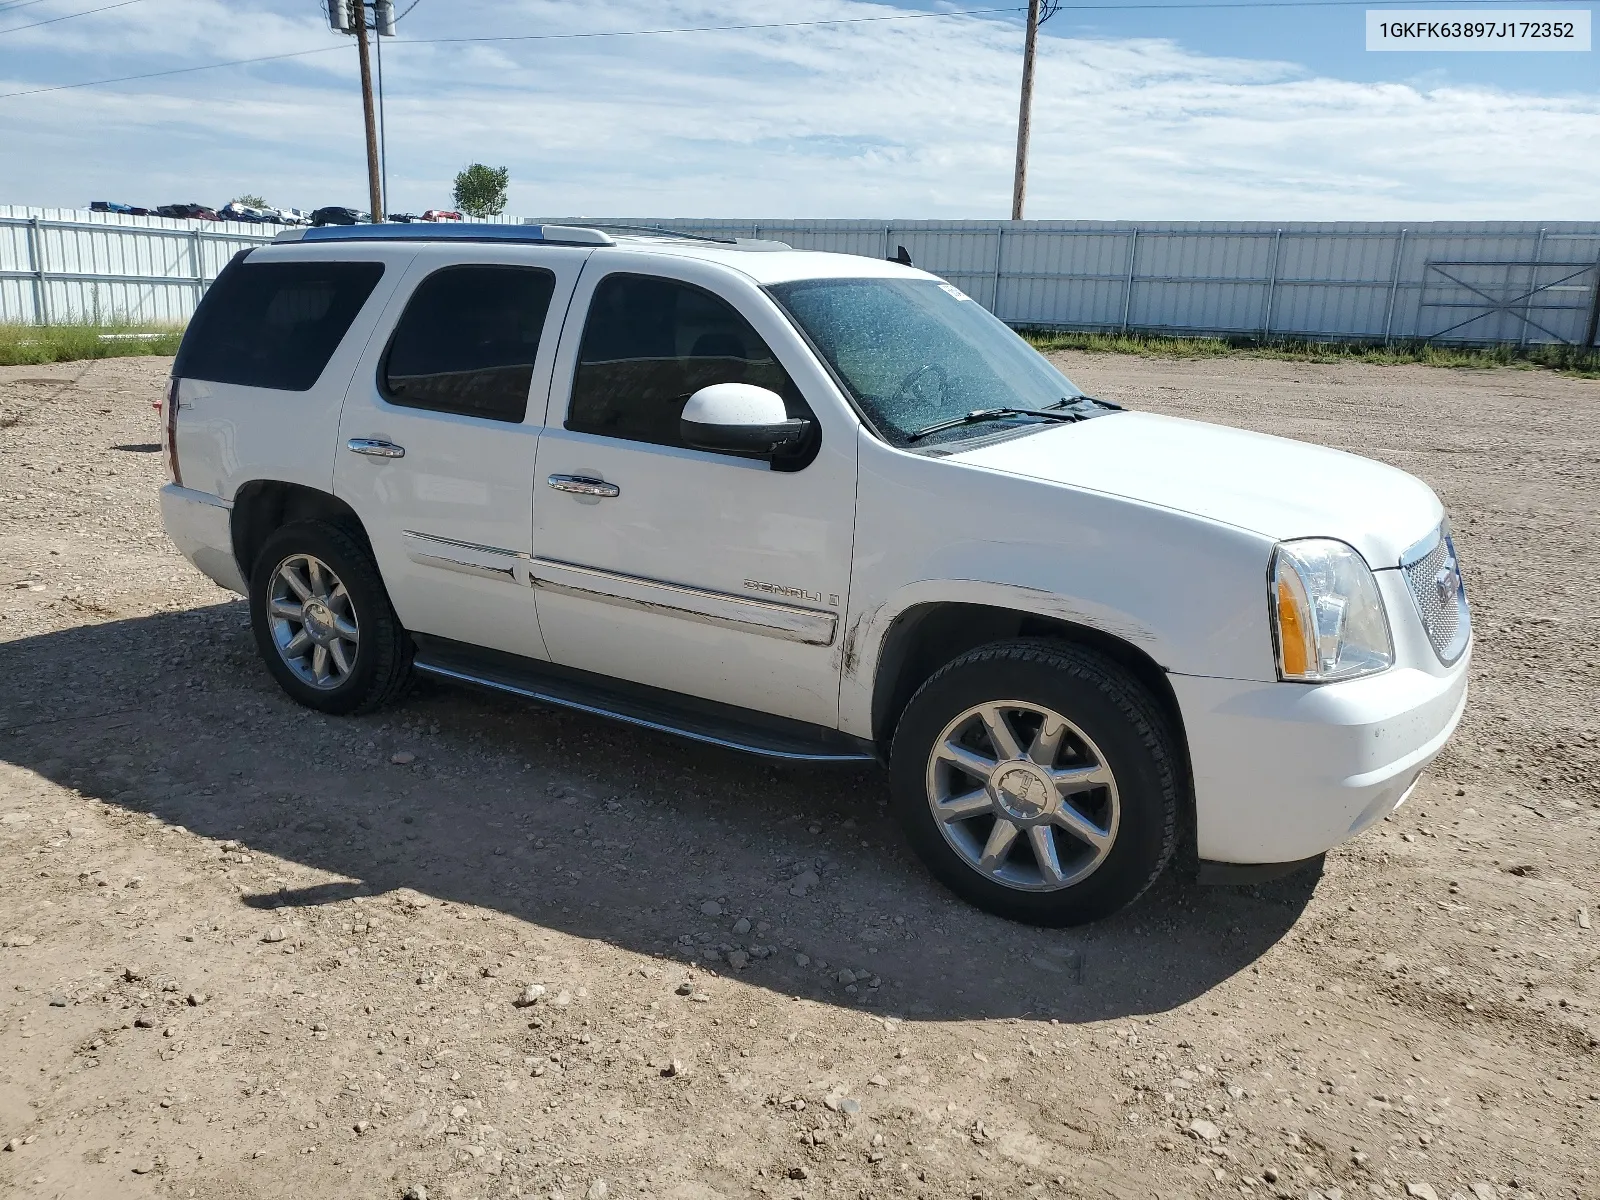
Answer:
x=1189 y=280
x=867 y=242
x=1571 y=279
x=966 y=253
x=60 y=265
x=1521 y=282
x=16 y=301
x=1331 y=281
x=1471 y=282
x=1050 y=276
x=14 y=248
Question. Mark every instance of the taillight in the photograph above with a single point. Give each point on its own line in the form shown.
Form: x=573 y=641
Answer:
x=172 y=432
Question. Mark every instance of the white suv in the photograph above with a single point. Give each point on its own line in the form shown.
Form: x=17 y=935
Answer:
x=821 y=508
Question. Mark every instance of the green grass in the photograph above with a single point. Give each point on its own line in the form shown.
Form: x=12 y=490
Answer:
x=1571 y=360
x=25 y=345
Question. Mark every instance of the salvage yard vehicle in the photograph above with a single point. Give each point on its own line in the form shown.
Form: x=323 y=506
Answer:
x=822 y=508
x=187 y=212
x=335 y=214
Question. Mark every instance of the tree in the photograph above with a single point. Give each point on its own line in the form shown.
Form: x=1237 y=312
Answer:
x=480 y=191
x=250 y=200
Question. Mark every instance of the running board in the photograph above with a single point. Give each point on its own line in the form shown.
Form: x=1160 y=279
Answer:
x=703 y=721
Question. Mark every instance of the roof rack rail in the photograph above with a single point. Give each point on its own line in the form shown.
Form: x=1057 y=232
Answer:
x=387 y=231
x=662 y=231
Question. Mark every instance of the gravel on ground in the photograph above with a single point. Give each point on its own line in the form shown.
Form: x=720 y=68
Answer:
x=472 y=948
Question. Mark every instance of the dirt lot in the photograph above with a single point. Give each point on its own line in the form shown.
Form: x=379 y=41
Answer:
x=249 y=951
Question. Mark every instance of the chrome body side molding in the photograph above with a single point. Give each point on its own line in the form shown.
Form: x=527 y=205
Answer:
x=811 y=626
x=191 y=496
x=489 y=562
x=767 y=618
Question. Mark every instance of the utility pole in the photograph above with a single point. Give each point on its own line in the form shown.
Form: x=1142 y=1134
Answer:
x=374 y=188
x=350 y=16
x=383 y=123
x=1019 y=182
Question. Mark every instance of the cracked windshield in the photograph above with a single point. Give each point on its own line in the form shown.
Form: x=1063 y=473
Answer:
x=918 y=352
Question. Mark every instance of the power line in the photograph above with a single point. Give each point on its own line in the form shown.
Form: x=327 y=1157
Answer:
x=88 y=12
x=241 y=62
x=613 y=33
x=5 y=8
x=238 y=62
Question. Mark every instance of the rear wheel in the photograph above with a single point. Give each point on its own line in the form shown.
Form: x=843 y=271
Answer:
x=323 y=622
x=1037 y=780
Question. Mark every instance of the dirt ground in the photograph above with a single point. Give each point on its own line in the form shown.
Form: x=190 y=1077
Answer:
x=247 y=951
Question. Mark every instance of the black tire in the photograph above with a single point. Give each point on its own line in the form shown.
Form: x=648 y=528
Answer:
x=1116 y=713
x=381 y=669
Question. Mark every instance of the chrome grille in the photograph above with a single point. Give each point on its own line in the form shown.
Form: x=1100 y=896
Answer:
x=1433 y=572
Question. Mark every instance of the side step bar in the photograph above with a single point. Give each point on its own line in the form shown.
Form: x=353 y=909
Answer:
x=702 y=721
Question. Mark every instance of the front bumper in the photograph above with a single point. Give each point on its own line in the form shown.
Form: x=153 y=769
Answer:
x=200 y=526
x=1286 y=771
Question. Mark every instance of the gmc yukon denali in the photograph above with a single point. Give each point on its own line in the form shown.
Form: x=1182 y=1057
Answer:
x=823 y=508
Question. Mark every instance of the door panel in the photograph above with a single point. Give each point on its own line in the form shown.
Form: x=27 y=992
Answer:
x=451 y=519
x=238 y=421
x=708 y=574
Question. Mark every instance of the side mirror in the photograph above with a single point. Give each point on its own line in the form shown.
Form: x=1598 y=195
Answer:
x=740 y=418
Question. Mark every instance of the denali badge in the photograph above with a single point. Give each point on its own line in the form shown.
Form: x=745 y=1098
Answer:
x=777 y=589
x=1448 y=581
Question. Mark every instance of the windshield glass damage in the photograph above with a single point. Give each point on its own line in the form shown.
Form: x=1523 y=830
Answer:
x=925 y=362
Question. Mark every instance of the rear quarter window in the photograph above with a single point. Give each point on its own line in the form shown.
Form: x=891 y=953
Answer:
x=274 y=324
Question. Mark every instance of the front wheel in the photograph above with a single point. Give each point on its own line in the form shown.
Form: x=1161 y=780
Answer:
x=1038 y=780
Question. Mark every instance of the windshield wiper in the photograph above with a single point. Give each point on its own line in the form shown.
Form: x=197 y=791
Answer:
x=990 y=414
x=1081 y=398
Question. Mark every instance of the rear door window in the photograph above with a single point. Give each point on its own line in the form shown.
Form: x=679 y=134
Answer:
x=651 y=343
x=274 y=324
x=467 y=341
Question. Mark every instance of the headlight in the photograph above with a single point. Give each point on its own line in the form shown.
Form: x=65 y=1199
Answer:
x=1327 y=613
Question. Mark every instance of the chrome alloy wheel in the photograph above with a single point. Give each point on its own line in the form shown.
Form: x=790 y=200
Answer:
x=1023 y=796
x=313 y=622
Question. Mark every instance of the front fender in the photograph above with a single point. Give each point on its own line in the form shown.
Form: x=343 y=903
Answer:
x=1187 y=592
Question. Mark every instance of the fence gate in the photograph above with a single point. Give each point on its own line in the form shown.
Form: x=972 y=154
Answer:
x=1511 y=301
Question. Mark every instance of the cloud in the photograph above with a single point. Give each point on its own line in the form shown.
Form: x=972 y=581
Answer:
x=166 y=33
x=887 y=119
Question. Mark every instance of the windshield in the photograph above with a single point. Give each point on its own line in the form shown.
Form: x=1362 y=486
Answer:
x=916 y=352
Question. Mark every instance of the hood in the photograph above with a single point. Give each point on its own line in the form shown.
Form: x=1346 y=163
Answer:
x=1270 y=485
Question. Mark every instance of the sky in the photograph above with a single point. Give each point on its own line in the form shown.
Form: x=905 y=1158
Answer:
x=1199 y=113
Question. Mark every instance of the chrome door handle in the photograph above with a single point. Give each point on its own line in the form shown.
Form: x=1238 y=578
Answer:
x=584 y=486
x=376 y=447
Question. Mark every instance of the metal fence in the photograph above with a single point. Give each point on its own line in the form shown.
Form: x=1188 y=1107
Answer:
x=60 y=265
x=1461 y=282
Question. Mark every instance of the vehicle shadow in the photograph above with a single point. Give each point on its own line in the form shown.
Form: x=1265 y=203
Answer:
x=586 y=827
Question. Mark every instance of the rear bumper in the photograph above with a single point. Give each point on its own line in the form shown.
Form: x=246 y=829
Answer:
x=199 y=525
x=1284 y=771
